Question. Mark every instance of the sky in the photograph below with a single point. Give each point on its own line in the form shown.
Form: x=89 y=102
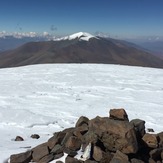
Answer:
x=118 y=18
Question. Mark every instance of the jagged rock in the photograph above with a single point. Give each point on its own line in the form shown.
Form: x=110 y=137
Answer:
x=118 y=114
x=57 y=149
x=67 y=136
x=155 y=154
x=80 y=131
x=35 y=136
x=47 y=158
x=107 y=157
x=59 y=155
x=134 y=160
x=139 y=127
x=19 y=138
x=73 y=143
x=150 y=140
x=160 y=139
x=115 y=134
x=110 y=139
x=71 y=160
x=120 y=157
x=39 y=152
x=21 y=157
x=90 y=136
x=82 y=120
x=70 y=152
x=56 y=139
x=98 y=154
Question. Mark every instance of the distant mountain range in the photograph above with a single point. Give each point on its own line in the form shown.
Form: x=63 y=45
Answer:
x=79 y=48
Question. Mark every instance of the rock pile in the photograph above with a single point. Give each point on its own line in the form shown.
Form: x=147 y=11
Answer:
x=110 y=139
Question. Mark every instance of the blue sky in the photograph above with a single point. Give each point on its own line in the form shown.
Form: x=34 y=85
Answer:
x=121 y=18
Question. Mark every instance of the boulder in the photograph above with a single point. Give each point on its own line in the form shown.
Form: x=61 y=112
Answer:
x=19 y=138
x=57 y=149
x=71 y=160
x=73 y=143
x=21 y=157
x=150 y=140
x=155 y=154
x=98 y=154
x=82 y=120
x=59 y=155
x=35 y=136
x=115 y=134
x=118 y=114
x=39 y=152
x=120 y=157
x=139 y=127
x=47 y=158
x=56 y=139
x=160 y=139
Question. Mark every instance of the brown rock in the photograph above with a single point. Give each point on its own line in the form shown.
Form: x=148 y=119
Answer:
x=98 y=154
x=160 y=139
x=21 y=157
x=139 y=127
x=56 y=139
x=71 y=160
x=155 y=154
x=73 y=143
x=120 y=157
x=70 y=152
x=90 y=136
x=59 y=155
x=39 y=152
x=67 y=136
x=19 y=138
x=35 y=136
x=115 y=134
x=150 y=140
x=57 y=149
x=82 y=120
x=47 y=159
x=118 y=114
x=107 y=157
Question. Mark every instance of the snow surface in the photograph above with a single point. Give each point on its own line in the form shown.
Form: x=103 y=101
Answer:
x=80 y=35
x=43 y=99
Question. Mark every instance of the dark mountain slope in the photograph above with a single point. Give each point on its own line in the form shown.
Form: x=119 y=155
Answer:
x=95 y=50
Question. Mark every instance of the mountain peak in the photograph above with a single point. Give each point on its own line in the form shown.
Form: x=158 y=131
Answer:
x=80 y=35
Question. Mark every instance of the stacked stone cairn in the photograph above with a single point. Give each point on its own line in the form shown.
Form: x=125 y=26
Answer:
x=112 y=139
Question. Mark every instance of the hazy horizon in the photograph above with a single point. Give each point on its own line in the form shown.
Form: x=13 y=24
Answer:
x=114 y=18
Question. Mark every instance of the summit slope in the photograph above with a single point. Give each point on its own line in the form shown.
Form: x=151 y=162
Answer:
x=81 y=47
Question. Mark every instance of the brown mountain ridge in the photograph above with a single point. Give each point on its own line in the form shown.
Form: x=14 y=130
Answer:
x=79 y=48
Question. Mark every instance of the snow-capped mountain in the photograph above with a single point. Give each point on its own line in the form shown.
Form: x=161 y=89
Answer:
x=80 y=47
x=80 y=36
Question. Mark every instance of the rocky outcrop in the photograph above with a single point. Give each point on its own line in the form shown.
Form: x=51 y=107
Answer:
x=100 y=140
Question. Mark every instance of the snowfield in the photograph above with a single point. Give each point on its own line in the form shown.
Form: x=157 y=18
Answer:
x=43 y=99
